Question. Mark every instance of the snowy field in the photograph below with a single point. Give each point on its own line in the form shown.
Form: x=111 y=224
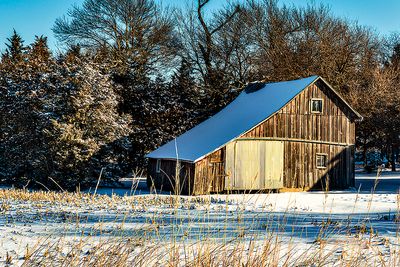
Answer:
x=352 y=227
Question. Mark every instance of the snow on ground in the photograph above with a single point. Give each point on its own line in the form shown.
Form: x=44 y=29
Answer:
x=338 y=202
x=301 y=217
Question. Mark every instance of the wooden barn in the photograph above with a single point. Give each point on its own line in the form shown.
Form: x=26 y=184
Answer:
x=293 y=134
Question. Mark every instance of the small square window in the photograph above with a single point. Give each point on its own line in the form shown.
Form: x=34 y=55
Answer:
x=316 y=105
x=158 y=166
x=322 y=161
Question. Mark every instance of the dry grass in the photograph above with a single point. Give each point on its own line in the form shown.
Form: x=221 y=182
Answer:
x=87 y=200
x=269 y=252
x=360 y=246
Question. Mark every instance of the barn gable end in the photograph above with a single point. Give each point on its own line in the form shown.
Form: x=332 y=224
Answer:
x=296 y=121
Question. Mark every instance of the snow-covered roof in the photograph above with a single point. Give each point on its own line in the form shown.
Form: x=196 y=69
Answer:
x=249 y=109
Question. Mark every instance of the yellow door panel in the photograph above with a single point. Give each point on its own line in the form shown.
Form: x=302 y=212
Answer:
x=254 y=164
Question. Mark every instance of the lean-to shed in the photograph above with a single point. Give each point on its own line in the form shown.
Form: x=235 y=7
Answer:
x=292 y=134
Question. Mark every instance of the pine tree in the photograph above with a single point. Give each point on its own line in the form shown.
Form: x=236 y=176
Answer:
x=73 y=54
x=87 y=128
x=15 y=49
x=187 y=97
x=23 y=149
x=60 y=122
x=39 y=51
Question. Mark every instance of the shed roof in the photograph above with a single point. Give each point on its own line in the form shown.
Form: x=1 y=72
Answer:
x=249 y=109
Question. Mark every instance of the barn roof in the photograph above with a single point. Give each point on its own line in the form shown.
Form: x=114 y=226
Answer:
x=251 y=107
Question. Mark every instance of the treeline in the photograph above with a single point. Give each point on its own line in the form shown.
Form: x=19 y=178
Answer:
x=135 y=74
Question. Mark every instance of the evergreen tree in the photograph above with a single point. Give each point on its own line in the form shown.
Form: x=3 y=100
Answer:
x=87 y=128
x=185 y=92
x=39 y=51
x=23 y=148
x=73 y=54
x=15 y=49
x=60 y=122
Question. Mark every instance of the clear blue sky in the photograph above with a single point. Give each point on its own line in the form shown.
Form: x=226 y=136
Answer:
x=36 y=17
x=30 y=18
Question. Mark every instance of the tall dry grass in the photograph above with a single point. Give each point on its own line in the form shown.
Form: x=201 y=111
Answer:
x=268 y=252
x=337 y=243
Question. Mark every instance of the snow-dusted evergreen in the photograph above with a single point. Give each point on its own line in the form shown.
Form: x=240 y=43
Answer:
x=59 y=120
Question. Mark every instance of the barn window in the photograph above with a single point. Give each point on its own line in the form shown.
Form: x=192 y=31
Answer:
x=316 y=105
x=322 y=160
x=158 y=166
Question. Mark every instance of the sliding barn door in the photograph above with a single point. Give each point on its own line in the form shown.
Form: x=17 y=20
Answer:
x=254 y=164
x=273 y=171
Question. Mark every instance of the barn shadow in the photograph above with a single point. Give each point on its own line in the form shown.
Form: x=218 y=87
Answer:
x=386 y=182
x=334 y=177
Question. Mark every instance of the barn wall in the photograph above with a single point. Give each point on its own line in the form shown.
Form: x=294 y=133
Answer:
x=300 y=170
x=165 y=179
x=305 y=134
x=210 y=173
x=335 y=124
x=300 y=167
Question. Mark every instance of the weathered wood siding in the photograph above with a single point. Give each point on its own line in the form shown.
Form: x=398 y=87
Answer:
x=335 y=124
x=300 y=167
x=165 y=179
x=305 y=134
x=210 y=173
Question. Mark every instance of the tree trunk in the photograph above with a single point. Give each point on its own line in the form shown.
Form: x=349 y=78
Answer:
x=365 y=154
x=393 y=158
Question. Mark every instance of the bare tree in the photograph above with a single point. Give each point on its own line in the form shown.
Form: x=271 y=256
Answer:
x=214 y=44
x=137 y=33
x=201 y=39
x=297 y=42
x=388 y=108
x=207 y=47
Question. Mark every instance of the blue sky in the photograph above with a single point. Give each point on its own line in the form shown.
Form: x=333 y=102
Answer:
x=30 y=18
x=36 y=17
